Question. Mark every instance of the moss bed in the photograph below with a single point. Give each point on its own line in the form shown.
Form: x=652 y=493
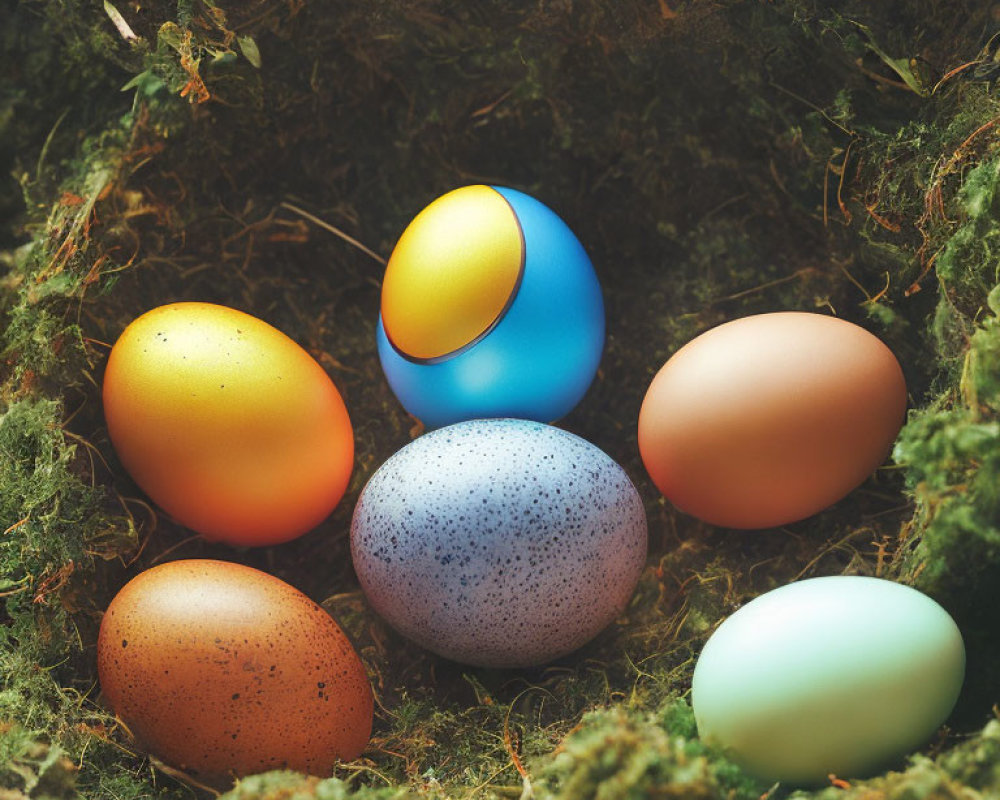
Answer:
x=717 y=159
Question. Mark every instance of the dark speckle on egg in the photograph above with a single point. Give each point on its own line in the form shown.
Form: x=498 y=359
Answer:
x=201 y=638
x=503 y=542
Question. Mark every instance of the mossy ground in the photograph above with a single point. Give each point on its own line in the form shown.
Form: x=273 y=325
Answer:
x=716 y=158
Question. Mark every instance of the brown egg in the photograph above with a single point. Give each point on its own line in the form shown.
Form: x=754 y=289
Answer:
x=771 y=418
x=222 y=670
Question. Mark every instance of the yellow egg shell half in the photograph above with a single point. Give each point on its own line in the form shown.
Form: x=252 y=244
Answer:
x=227 y=424
x=221 y=670
x=771 y=418
x=453 y=272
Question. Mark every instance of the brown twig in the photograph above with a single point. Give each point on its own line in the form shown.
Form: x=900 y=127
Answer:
x=334 y=230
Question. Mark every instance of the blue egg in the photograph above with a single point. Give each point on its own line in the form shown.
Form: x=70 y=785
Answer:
x=499 y=542
x=490 y=308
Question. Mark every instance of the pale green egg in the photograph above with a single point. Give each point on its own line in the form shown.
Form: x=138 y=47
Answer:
x=828 y=676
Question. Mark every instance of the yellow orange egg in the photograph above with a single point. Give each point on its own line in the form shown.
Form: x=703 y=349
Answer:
x=227 y=424
x=771 y=418
x=221 y=670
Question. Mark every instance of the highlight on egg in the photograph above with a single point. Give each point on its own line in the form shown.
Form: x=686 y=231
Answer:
x=771 y=418
x=227 y=424
x=221 y=670
x=490 y=308
x=500 y=542
x=835 y=675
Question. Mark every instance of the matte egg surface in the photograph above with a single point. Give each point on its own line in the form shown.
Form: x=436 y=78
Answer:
x=220 y=670
x=769 y=419
x=837 y=675
x=490 y=308
x=502 y=542
x=227 y=424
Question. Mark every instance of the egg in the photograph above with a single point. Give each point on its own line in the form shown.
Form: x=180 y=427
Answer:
x=221 y=670
x=501 y=542
x=490 y=308
x=227 y=424
x=836 y=676
x=771 y=418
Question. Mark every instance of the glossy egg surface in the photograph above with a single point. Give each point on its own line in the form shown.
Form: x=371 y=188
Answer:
x=452 y=273
x=828 y=676
x=220 y=670
x=501 y=542
x=490 y=308
x=769 y=419
x=227 y=424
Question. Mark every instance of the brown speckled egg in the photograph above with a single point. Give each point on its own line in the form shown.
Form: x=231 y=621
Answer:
x=222 y=670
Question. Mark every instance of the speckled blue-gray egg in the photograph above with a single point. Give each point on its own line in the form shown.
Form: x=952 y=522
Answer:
x=499 y=542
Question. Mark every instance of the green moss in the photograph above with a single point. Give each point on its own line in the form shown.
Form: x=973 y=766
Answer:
x=953 y=460
x=43 y=347
x=968 y=265
x=951 y=449
x=48 y=509
x=971 y=769
x=293 y=786
x=55 y=526
x=38 y=771
x=617 y=755
x=952 y=455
